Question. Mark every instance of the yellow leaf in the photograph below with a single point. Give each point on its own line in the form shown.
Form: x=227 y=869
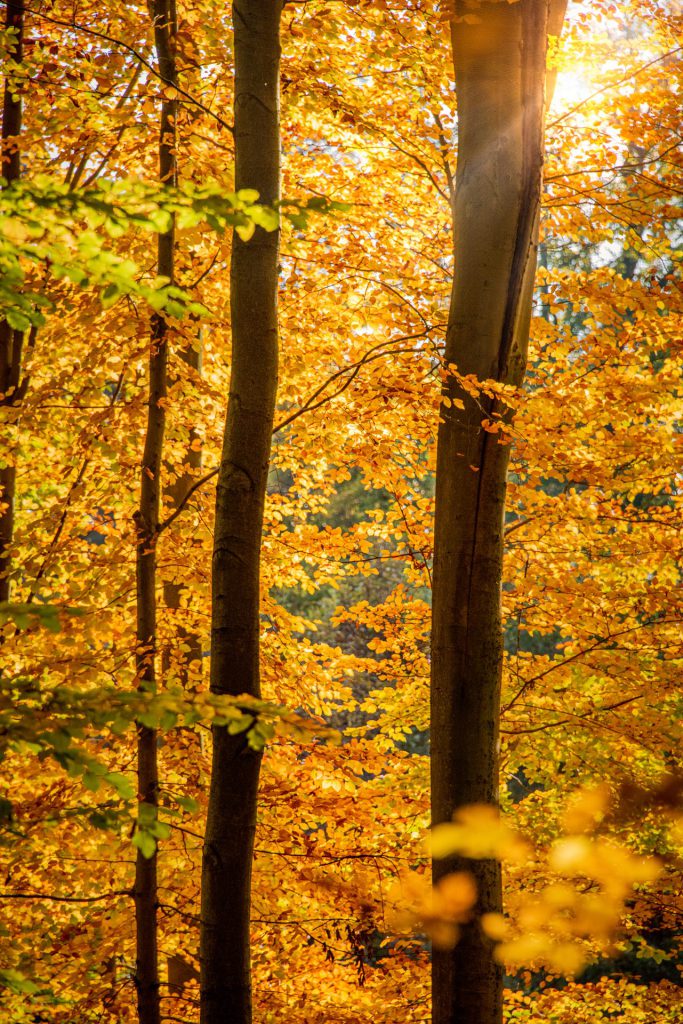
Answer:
x=457 y=894
x=495 y=926
x=586 y=808
x=566 y=958
x=477 y=831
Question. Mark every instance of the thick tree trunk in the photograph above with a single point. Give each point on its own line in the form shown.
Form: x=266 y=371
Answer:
x=11 y=341
x=500 y=74
x=147 y=526
x=228 y=848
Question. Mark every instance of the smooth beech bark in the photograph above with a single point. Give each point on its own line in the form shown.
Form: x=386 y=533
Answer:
x=147 y=528
x=500 y=72
x=11 y=341
x=228 y=849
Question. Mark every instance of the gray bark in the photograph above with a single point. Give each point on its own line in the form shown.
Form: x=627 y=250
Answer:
x=500 y=75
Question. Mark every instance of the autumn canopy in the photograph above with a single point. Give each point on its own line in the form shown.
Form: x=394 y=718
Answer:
x=340 y=512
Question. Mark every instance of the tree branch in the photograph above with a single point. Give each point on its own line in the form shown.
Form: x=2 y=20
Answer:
x=181 y=504
x=579 y=654
x=613 y=85
x=65 y=899
x=73 y=24
x=309 y=406
x=372 y=354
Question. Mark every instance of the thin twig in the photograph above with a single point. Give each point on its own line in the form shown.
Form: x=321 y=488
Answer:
x=64 y=899
x=73 y=24
x=613 y=85
x=580 y=654
x=310 y=405
x=181 y=504
x=353 y=368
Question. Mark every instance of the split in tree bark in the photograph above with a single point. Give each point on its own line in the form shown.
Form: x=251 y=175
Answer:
x=11 y=341
x=228 y=850
x=500 y=67
x=147 y=527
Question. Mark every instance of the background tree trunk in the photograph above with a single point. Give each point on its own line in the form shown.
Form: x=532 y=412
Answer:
x=187 y=665
x=147 y=526
x=11 y=341
x=228 y=848
x=500 y=74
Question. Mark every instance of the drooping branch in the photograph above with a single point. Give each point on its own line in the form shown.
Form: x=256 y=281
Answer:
x=600 y=642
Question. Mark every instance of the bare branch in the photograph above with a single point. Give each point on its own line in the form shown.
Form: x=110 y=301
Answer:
x=65 y=899
x=181 y=505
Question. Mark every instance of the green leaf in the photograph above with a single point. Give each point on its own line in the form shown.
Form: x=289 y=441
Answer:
x=235 y=725
x=247 y=195
x=109 y=296
x=168 y=720
x=245 y=231
x=260 y=734
x=17 y=321
x=61 y=740
x=91 y=781
x=266 y=218
x=17 y=982
x=121 y=784
x=160 y=220
x=156 y=299
x=147 y=814
x=145 y=843
x=160 y=830
x=186 y=802
x=297 y=220
x=176 y=309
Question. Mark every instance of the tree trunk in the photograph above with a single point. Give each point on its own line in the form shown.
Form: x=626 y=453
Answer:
x=11 y=341
x=228 y=848
x=186 y=665
x=500 y=74
x=147 y=526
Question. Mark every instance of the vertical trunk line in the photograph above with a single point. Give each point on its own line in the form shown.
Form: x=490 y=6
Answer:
x=499 y=70
x=11 y=341
x=147 y=529
x=226 y=991
x=533 y=47
x=175 y=495
x=176 y=492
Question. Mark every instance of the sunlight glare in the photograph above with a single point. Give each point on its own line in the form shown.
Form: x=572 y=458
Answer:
x=571 y=88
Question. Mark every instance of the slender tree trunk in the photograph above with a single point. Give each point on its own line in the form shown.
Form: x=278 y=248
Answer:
x=228 y=848
x=147 y=525
x=11 y=341
x=500 y=74
x=175 y=495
